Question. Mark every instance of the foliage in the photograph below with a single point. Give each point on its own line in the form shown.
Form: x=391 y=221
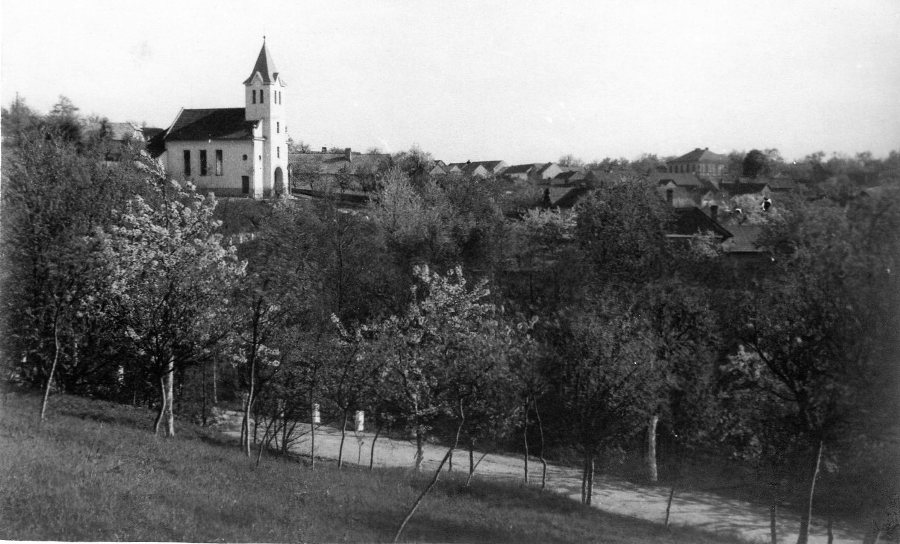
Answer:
x=620 y=230
x=167 y=278
x=54 y=197
x=755 y=164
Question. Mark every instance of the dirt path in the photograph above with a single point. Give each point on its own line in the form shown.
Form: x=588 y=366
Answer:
x=707 y=511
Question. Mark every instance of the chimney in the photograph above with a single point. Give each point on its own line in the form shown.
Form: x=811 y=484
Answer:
x=324 y=149
x=348 y=154
x=714 y=212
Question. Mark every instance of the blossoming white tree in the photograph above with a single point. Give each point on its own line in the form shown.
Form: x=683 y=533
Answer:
x=168 y=278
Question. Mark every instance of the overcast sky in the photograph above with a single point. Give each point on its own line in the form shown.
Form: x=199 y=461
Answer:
x=519 y=81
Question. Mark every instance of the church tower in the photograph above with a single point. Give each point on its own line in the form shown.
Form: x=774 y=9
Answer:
x=265 y=103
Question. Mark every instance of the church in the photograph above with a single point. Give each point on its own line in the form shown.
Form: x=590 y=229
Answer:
x=234 y=151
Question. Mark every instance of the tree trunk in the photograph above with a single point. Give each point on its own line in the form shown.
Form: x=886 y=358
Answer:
x=471 y=467
x=471 y=461
x=262 y=443
x=249 y=404
x=669 y=504
x=525 y=442
x=537 y=414
x=52 y=367
x=256 y=415
x=312 y=436
x=285 y=431
x=341 y=448
x=162 y=405
x=590 y=480
x=773 y=519
x=806 y=514
x=420 y=455
x=203 y=416
x=215 y=380
x=170 y=396
x=434 y=479
x=584 y=472
x=652 y=473
x=372 y=450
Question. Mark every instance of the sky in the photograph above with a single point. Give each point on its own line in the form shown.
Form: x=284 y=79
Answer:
x=519 y=81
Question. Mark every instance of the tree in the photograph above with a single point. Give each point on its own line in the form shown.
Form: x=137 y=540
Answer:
x=168 y=278
x=604 y=377
x=415 y=344
x=755 y=164
x=274 y=295
x=63 y=121
x=818 y=333
x=53 y=198
x=415 y=222
x=570 y=161
x=621 y=232
x=416 y=164
x=19 y=123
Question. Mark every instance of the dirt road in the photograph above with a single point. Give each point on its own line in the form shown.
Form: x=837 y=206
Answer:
x=707 y=511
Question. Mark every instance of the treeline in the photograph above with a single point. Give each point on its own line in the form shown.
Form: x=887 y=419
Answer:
x=587 y=333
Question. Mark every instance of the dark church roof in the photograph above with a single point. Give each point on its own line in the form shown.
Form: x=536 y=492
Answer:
x=265 y=66
x=211 y=124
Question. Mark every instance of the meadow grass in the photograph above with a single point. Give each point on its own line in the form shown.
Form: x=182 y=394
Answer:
x=94 y=471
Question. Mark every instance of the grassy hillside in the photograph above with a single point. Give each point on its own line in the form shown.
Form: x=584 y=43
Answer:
x=95 y=472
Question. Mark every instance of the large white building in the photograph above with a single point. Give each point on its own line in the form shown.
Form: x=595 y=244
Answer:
x=234 y=151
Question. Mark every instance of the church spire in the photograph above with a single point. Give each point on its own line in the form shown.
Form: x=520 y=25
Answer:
x=265 y=66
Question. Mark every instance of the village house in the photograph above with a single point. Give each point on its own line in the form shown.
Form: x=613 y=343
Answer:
x=521 y=172
x=233 y=151
x=702 y=162
x=115 y=138
x=349 y=170
x=479 y=169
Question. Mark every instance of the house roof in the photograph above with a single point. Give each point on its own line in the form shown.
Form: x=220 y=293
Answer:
x=691 y=221
x=123 y=131
x=679 y=179
x=116 y=132
x=156 y=144
x=264 y=66
x=701 y=155
x=566 y=197
x=469 y=168
x=544 y=168
x=519 y=169
x=782 y=184
x=682 y=197
x=334 y=163
x=152 y=132
x=211 y=124
x=735 y=189
x=491 y=166
x=570 y=176
x=743 y=239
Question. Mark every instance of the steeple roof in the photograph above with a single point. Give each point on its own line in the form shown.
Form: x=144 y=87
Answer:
x=265 y=66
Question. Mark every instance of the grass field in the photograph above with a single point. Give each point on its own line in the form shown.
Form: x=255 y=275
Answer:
x=94 y=471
